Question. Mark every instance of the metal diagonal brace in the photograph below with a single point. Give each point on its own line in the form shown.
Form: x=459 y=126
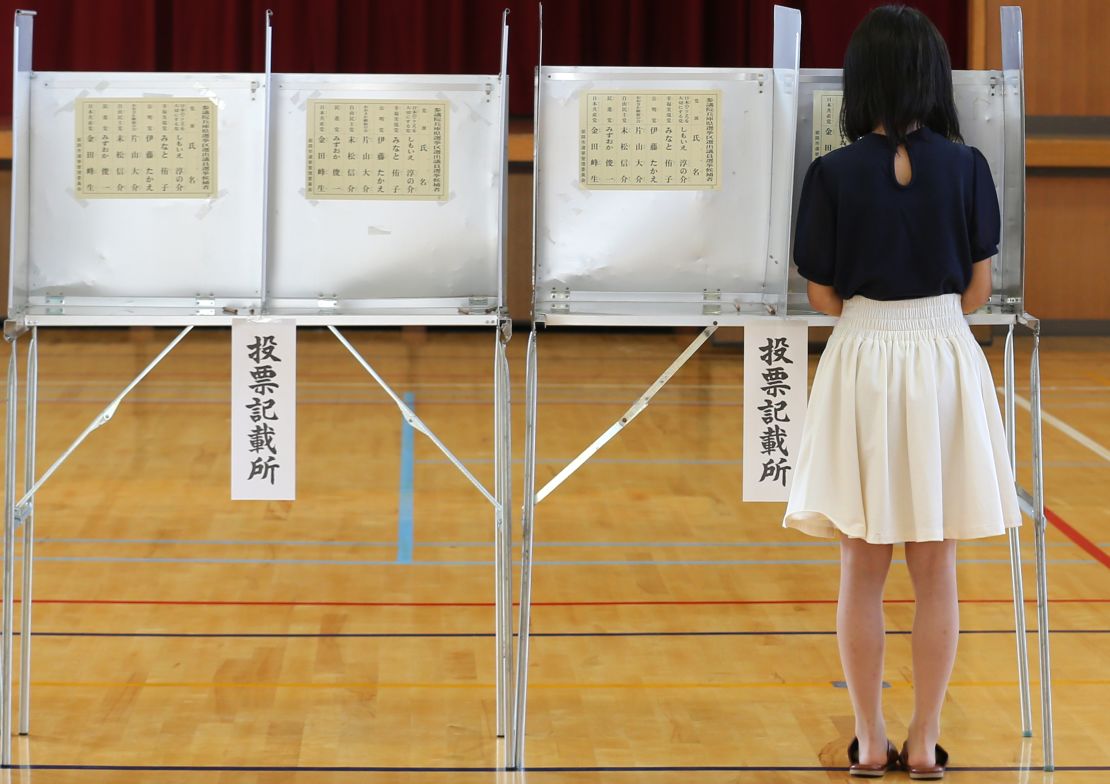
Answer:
x=633 y=412
x=101 y=419
x=414 y=421
x=1025 y=502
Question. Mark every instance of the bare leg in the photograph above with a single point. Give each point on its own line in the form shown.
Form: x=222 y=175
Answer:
x=861 y=636
x=936 y=631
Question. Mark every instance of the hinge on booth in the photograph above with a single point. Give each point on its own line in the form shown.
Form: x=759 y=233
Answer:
x=711 y=302
x=560 y=300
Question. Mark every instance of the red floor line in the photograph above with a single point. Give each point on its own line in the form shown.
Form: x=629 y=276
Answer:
x=1082 y=541
x=613 y=603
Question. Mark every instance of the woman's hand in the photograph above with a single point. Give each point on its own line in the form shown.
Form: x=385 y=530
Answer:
x=978 y=292
x=825 y=299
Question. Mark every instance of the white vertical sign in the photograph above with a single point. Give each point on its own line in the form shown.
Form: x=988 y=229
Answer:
x=775 y=378
x=263 y=409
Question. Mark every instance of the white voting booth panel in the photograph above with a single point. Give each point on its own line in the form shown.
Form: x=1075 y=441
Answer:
x=260 y=245
x=653 y=245
x=363 y=253
x=131 y=252
x=990 y=119
x=254 y=246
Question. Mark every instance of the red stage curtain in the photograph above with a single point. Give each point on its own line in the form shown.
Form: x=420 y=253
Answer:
x=436 y=36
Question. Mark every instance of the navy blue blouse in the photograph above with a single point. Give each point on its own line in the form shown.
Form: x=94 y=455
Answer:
x=862 y=232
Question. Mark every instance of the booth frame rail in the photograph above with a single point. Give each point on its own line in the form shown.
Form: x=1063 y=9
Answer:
x=630 y=313
x=19 y=507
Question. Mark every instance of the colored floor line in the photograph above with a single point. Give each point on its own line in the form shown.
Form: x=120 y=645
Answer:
x=490 y=635
x=1085 y=544
x=598 y=603
x=353 y=544
x=177 y=382
x=541 y=769
x=569 y=686
x=405 y=499
x=651 y=562
x=405 y=543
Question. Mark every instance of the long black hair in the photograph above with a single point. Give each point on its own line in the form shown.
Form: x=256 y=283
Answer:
x=897 y=74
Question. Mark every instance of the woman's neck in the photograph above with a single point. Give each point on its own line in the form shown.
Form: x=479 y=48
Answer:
x=881 y=130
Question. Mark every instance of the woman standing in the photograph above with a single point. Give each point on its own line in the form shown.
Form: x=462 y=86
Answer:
x=904 y=440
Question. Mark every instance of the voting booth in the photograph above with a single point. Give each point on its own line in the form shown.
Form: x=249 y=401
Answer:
x=264 y=202
x=664 y=197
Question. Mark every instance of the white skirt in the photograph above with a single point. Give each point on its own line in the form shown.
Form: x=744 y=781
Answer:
x=903 y=439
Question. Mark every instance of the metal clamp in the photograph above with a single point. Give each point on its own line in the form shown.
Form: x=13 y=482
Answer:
x=478 y=305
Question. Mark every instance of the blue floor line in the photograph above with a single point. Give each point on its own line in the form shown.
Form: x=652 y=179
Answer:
x=404 y=503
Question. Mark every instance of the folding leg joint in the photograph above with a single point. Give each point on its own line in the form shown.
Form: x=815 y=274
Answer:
x=13 y=329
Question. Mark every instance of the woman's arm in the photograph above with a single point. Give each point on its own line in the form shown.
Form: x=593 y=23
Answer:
x=825 y=299
x=979 y=290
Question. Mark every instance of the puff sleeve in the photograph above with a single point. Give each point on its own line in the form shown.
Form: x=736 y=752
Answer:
x=815 y=229
x=984 y=222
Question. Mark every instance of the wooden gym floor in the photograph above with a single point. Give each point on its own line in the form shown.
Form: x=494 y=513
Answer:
x=680 y=636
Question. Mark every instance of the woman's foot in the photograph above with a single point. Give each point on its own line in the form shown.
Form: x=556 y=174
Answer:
x=921 y=743
x=924 y=772
x=868 y=766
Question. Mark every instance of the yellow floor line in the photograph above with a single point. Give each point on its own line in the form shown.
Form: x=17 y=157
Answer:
x=569 y=686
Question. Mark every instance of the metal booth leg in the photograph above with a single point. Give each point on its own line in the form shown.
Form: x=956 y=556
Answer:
x=1039 y=535
x=507 y=522
x=26 y=594
x=9 y=557
x=1017 y=582
x=533 y=497
x=528 y=508
x=504 y=333
x=503 y=541
x=21 y=511
x=498 y=533
x=503 y=557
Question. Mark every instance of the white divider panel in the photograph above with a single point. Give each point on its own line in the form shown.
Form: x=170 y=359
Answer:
x=979 y=97
x=359 y=252
x=136 y=252
x=18 y=279
x=654 y=246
